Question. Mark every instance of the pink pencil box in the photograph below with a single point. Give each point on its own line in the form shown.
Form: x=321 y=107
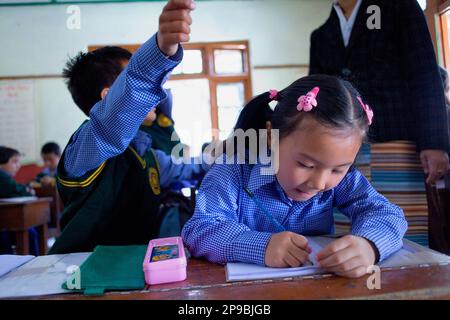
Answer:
x=165 y=261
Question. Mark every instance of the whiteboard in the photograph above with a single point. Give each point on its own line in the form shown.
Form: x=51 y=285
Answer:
x=17 y=117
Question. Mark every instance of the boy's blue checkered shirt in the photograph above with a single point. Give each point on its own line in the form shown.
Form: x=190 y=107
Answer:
x=227 y=225
x=115 y=120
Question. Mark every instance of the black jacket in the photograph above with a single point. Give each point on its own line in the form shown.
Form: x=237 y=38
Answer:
x=394 y=68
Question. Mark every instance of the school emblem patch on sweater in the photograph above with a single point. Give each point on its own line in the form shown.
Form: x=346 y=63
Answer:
x=164 y=121
x=154 y=180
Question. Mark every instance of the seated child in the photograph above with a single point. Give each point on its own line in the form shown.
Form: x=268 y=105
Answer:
x=109 y=177
x=9 y=188
x=9 y=166
x=248 y=215
x=165 y=138
x=50 y=153
x=162 y=129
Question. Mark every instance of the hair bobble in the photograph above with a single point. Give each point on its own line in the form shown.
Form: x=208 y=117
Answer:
x=308 y=102
x=367 y=110
x=273 y=94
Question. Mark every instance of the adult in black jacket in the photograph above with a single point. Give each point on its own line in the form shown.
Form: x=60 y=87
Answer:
x=390 y=58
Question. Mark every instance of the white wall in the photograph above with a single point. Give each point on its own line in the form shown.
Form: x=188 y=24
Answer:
x=36 y=41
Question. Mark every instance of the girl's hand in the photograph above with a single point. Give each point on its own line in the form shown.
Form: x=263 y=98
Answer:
x=174 y=25
x=349 y=256
x=287 y=249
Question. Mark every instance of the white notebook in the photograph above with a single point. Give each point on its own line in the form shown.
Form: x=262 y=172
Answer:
x=41 y=275
x=411 y=254
x=9 y=262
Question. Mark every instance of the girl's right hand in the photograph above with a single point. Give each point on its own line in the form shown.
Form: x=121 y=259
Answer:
x=287 y=249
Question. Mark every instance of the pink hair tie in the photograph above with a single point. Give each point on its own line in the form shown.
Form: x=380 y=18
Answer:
x=367 y=110
x=308 y=102
x=273 y=94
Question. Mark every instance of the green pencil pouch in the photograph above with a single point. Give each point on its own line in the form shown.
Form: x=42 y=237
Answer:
x=109 y=268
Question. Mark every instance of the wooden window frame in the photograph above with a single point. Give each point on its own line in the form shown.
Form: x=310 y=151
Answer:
x=214 y=79
x=437 y=25
x=443 y=33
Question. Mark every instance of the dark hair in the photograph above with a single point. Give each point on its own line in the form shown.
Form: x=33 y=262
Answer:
x=51 y=147
x=87 y=74
x=7 y=153
x=338 y=107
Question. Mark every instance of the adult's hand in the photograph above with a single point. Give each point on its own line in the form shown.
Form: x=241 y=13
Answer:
x=435 y=164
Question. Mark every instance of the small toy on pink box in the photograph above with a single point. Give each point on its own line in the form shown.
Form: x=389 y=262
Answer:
x=165 y=261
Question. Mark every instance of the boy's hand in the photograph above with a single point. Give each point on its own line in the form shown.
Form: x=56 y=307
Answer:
x=287 y=249
x=349 y=256
x=174 y=25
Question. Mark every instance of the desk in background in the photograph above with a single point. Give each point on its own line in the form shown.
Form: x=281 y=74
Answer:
x=206 y=281
x=20 y=216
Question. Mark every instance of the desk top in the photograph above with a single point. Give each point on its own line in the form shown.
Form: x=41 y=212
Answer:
x=207 y=281
x=25 y=201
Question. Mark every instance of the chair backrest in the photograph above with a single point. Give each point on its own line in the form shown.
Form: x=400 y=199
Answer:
x=27 y=173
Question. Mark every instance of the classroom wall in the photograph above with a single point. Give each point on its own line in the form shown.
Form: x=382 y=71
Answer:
x=36 y=42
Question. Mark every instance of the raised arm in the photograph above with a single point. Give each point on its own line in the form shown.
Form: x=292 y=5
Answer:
x=115 y=120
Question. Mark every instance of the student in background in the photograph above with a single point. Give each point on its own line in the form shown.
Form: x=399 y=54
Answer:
x=50 y=153
x=109 y=178
x=162 y=129
x=9 y=188
x=9 y=166
x=245 y=215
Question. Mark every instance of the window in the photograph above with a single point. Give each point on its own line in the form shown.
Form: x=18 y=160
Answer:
x=423 y=4
x=438 y=16
x=210 y=88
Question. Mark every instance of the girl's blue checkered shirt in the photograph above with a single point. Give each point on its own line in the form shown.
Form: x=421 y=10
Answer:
x=228 y=226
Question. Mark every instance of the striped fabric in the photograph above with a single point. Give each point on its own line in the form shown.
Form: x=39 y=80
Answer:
x=398 y=175
x=395 y=171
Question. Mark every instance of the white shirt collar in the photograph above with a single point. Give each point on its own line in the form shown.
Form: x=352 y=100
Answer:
x=346 y=25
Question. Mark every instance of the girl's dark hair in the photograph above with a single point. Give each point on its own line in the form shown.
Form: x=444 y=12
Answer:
x=337 y=107
x=7 y=153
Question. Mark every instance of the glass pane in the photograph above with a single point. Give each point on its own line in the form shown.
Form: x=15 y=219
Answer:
x=423 y=4
x=192 y=63
x=191 y=112
x=230 y=101
x=228 y=61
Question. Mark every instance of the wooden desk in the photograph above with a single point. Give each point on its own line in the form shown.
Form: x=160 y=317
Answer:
x=439 y=217
x=21 y=216
x=207 y=281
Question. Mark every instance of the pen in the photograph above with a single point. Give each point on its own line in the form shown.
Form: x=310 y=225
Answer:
x=264 y=210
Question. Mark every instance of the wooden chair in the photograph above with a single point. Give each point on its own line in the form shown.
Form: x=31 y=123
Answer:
x=56 y=208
